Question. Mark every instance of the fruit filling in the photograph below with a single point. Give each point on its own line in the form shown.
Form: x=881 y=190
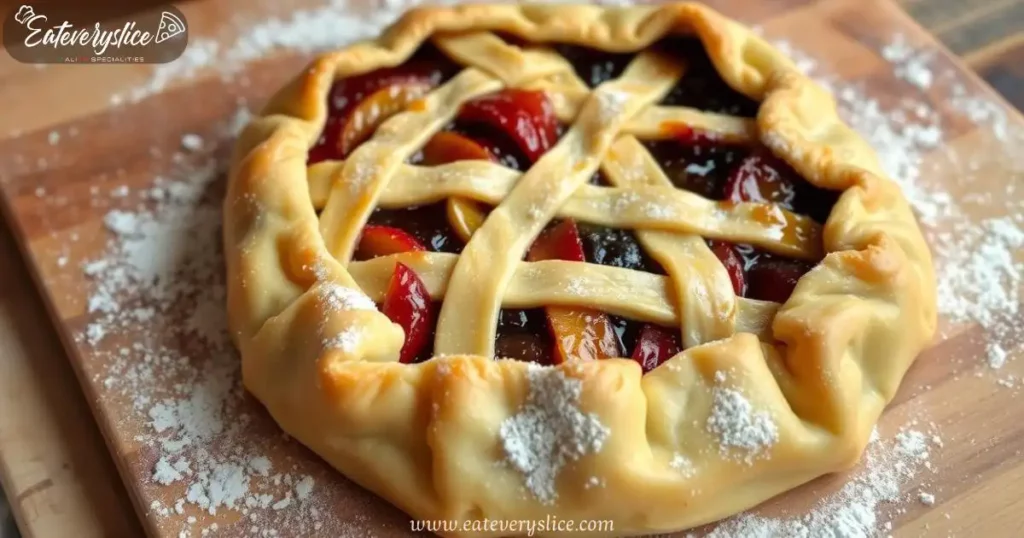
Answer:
x=357 y=105
x=515 y=128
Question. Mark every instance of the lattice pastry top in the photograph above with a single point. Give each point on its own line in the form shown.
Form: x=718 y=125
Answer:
x=651 y=183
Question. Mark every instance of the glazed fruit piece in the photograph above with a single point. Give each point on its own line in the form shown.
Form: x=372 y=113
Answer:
x=407 y=303
x=426 y=223
x=359 y=116
x=371 y=112
x=429 y=67
x=579 y=334
x=761 y=177
x=522 y=346
x=358 y=105
x=655 y=345
x=383 y=241
x=526 y=116
x=727 y=254
x=446 y=147
x=465 y=216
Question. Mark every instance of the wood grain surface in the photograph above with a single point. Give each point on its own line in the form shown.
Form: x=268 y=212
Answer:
x=55 y=468
x=987 y=34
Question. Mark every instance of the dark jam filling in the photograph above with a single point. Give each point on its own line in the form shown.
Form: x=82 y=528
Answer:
x=428 y=224
x=497 y=144
x=523 y=335
x=595 y=67
x=698 y=168
x=692 y=163
x=701 y=87
x=705 y=167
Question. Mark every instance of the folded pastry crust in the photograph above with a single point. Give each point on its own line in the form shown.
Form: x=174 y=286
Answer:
x=765 y=397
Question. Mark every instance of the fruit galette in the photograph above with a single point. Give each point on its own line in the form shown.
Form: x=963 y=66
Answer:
x=603 y=263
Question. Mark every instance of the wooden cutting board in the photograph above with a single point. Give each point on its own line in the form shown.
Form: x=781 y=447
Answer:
x=47 y=190
x=56 y=468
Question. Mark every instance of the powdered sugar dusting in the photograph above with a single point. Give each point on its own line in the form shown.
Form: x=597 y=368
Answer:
x=682 y=465
x=984 y=268
x=346 y=340
x=611 y=104
x=743 y=431
x=912 y=443
x=337 y=298
x=304 y=487
x=575 y=286
x=167 y=473
x=550 y=431
x=659 y=211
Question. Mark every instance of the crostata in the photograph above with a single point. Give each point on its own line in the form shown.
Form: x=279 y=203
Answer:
x=621 y=264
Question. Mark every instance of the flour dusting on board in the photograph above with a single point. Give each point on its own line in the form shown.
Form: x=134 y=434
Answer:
x=163 y=269
x=853 y=510
x=304 y=31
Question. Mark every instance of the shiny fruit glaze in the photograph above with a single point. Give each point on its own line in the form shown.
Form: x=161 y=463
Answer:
x=655 y=345
x=527 y=117
x=515 y=128
x=464 y=215
x=377 y=241
x=357 y=105
x=407 y=303
x=579 y=333
x=730 y=258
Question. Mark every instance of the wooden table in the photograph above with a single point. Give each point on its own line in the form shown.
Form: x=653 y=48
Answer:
x=54 y=436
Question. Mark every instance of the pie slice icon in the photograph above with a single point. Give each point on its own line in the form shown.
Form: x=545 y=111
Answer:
x=170 y=26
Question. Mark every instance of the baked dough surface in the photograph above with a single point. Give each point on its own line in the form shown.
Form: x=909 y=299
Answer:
x=764 y=398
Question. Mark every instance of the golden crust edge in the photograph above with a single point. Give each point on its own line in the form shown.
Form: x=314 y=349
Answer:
x=828 y=335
